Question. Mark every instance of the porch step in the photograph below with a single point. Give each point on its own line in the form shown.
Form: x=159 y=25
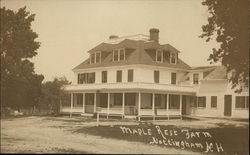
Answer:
x=129 y=116
x=87 y=114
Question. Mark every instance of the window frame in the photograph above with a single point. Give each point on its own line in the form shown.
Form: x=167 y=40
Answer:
x=173 y=56
x=119 y=74
x=214 y=98
x=174 y=82
x=130 y=75
x=196 y=79
x=156 y=76
x=159 y=53
x=198 y=101
x=245 y=103
x=104 y=76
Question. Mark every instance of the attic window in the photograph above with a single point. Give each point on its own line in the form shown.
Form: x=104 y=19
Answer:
x=119 y=55
x=173 y=58
x=95 y=57
x=159 y=56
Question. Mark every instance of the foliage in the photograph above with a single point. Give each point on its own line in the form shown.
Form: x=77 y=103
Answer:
x=20 y=86
x=52 y=94
x=228 y=22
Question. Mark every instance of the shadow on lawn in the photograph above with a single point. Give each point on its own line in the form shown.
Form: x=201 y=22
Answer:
x=233 y=139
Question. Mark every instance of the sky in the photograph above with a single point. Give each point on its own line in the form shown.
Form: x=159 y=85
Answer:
x=67 y=29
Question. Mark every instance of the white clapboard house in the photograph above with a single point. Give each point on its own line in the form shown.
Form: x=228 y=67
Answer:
x=135 y=76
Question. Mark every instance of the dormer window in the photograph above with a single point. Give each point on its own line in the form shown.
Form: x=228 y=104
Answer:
x=173 y=58
x=95 y=57
x=98 y=58
x=159 y=56
x=119 y=55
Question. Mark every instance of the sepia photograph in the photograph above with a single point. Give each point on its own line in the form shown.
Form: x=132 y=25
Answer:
x=125 y=77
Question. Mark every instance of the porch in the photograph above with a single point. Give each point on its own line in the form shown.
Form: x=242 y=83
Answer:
x=129 y=104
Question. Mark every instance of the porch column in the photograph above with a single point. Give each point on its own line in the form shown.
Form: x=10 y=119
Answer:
x=123 y=104
x=180 y=106
x=139 y=105
x=83 y=102
x=153 y=106
x=108 y=104
x=94 y=102
x=168 y=105
x=71 y=104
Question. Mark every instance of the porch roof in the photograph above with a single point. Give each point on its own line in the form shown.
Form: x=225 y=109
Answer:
x=137 y=86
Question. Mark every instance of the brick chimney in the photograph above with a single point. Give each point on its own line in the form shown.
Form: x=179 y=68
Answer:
x=113 y=37
x=154 y=34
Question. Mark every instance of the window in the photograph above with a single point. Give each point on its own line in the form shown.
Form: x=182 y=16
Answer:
x=130 y=99
x=115 y=55
x=86 y=78
x=81 y=78
x=241 y=102
x=213 y=101
x=104 y=76
x=122 y=54
x=196 y=78
x=119 y=55
x=173 y=78
x=173 y=58
x=156 y=76
x=103 y=100
x=92 y=58
x=91 y=77
x=130 y=75
x=119 y=76
x=202 y=102
x=194 y=101
x=98 y=57
x=89 y=98
x=159 y=56
x=95 y=57
x=174 y=101
x=118 y=99
x=79 y=100
x=157 y=99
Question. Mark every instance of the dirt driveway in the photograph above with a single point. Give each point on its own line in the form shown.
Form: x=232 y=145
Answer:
x=56 y=135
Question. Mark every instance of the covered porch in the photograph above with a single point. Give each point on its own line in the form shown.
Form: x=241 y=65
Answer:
x=135 y=104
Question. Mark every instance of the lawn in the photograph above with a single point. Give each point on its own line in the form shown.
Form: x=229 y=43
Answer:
x=226 y=139
x=62 y=134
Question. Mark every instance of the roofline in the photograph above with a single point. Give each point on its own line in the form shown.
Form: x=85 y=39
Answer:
x=136 y=64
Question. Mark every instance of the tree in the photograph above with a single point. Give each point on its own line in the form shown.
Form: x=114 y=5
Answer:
x=228 y=22
x=52 y=94
x=20 y=86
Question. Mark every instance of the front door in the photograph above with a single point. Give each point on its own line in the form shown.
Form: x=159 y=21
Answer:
x=227 y=105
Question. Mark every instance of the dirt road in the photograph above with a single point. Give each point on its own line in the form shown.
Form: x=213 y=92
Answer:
x=55 y=135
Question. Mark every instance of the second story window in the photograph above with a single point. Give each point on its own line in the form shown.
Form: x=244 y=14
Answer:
x=130 y=75
x=159 y=56
x=173 y=58
x=173 y=78
x=156 y=76
x=86 y=78
x=104 y=76
x=119 y=76
x=195 y=78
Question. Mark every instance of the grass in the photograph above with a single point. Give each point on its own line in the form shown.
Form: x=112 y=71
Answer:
x=233 y=139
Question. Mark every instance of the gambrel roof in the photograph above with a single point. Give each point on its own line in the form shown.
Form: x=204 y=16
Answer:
x=138 y=54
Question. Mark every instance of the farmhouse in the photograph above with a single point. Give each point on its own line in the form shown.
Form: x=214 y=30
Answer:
x=136 y=76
